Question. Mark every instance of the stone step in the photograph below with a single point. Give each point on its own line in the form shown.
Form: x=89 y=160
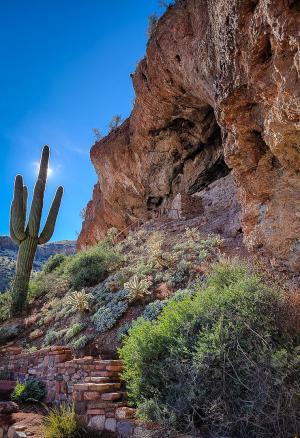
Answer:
x=99 y=379
x=96 y=387
x=112 y=396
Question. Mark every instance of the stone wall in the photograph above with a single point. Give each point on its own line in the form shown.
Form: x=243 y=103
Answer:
x=92 y=384
x=185 y=207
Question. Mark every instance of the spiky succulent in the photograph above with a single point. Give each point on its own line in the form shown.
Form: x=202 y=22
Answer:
x=137 y=288
x=192 y=234
x=79 y=300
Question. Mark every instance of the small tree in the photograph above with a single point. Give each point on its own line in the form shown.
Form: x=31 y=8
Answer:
x=152 y=23
x=82 y=213
x=97 y=134
x=115 y=122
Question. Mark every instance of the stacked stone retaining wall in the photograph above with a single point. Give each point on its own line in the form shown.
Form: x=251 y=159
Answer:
x=92 y=384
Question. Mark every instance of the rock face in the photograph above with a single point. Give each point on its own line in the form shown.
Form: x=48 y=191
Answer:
x=217 y=93
x=8 y=256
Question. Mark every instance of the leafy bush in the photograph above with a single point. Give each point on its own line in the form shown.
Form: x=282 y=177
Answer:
x=220 y=357
x=74 y=330
x=54 y=262
x=111 y=306
x=9 y=332
x=61 y=422
x=89 y=267
x=152 y=24
x=52 y=336
x=152 y=310
x=30 y=390
x=5 y=302
x=80 y=343
x=48 y=284
x=123 y=330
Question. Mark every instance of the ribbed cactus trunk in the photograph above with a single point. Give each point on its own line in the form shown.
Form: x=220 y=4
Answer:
x=28 y=237
x=25 y=260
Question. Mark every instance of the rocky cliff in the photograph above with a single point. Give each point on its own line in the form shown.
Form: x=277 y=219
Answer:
x=217 y=93
x=8 y=256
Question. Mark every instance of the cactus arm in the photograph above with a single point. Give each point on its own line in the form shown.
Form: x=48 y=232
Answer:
x=38 y=196
x=17 y=211
x=25 y=198
x=47 y=232
x=11 y=228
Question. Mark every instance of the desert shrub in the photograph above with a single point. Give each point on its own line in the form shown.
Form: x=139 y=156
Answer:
x=152 y=23
x=61 y=422
x=220 y=358
x=152 y=310
x=54 y=262
x=114 y=123
x=53 y=335
x=91 y=266
x=76 y=328
x=5 y=302
x=80 y=343
x=9 y=332
x=110 y=307
x=30 y=390
x=115 y=282
x=48 y=284
x=79 y=300
x=123 y=330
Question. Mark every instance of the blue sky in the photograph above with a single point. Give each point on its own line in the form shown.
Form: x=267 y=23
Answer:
x=65 y=69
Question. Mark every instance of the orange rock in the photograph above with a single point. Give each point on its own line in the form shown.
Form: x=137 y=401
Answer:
x=233 y=105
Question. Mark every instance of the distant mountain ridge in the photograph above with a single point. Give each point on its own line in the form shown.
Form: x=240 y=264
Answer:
x=8 y=256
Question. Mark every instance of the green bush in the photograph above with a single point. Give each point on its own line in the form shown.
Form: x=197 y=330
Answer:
x=76 y=328
x=9 y=332
x=87 y=268
x=54 y=262
x=61 y=422
x=30 y=390
x=80 y=343
x=53 y=335
x=50 y=284
x=5 y=302
x=219 y=358
x=152 y=310
x=110 y=306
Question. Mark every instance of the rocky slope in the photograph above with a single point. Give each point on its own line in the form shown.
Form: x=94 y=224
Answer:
x=8 y=256
x=217 y=93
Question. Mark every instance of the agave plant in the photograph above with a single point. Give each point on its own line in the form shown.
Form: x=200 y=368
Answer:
x=79 y=300
x=137 y=288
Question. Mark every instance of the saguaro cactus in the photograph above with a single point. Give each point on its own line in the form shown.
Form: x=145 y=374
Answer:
x=27 y=237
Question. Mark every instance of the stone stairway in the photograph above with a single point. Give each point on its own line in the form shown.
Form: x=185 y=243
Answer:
x=101 y=399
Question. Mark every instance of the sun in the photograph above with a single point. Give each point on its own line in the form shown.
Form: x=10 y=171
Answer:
x=37 y=169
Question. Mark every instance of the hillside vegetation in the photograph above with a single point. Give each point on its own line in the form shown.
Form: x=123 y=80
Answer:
x=8 y=256
x=206 y=340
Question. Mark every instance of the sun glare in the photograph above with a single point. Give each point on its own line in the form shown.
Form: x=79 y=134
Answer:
x=37 y=168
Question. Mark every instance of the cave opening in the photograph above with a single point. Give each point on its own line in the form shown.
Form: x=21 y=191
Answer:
x=154 y=202
x=218 y=170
